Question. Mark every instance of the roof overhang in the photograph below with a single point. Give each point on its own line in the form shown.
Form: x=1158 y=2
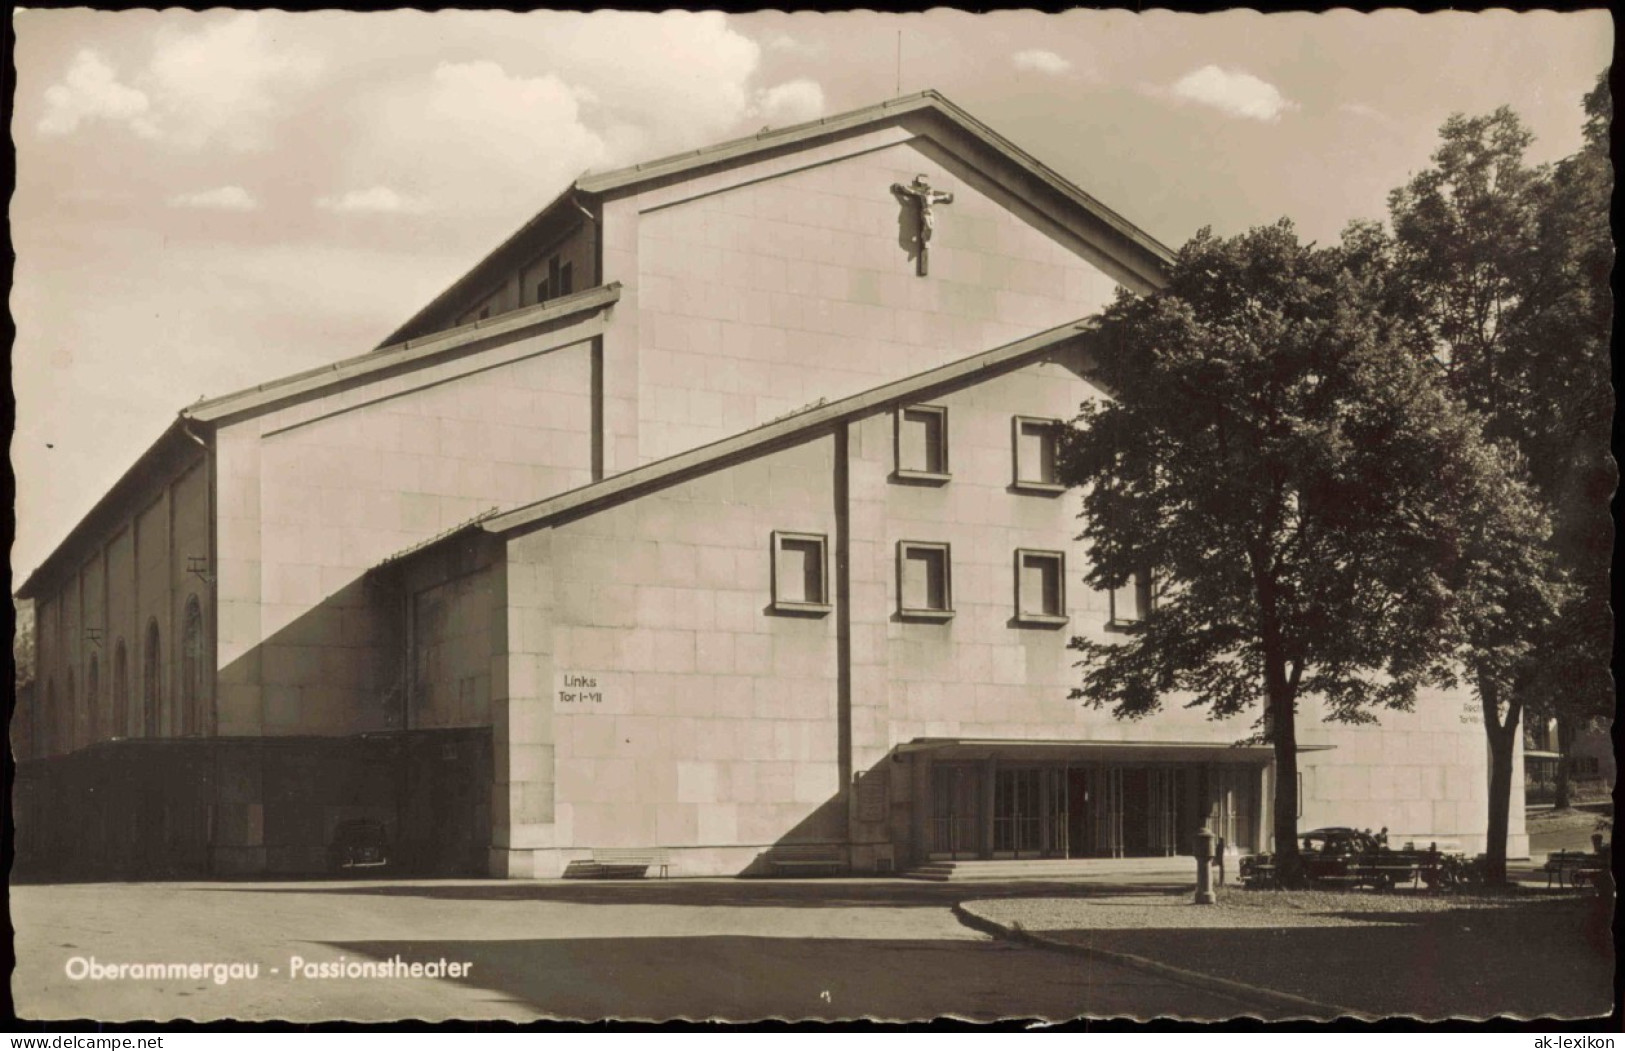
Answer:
x=1139 y=252
x=791 y=428
x=405 y=356
x=1087 y=750
x=173 y=452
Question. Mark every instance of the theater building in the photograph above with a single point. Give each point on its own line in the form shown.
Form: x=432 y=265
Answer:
x=714 y=511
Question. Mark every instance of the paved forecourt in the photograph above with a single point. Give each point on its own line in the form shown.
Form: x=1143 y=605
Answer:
x=646 y=949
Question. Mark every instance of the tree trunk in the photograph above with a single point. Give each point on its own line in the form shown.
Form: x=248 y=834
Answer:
x=1279 y=694
x=1502 y=736
x=1560 y=744
x=1288 y=862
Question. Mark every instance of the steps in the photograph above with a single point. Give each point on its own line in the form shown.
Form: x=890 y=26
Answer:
x=1004 y=870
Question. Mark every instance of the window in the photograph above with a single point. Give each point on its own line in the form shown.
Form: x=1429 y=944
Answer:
x=93 y=698
x=800 y=577
x=151 y=682
x=1131 y=602
x=1040 y=587
x=121 y=691
x=924 y=583
x=71 y=713
x=47 y=722
x=922 y=443
x=1035 y=440
x=192 y=670
x=560 y=281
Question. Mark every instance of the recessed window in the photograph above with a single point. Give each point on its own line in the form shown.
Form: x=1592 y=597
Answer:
x=1035 y=440
x=1131 y=602
x=922 y=443
x=152 y=679
x=93 y=698
x=1041 y=587
x=924 y=581
x=560 y=280
x=800 y=573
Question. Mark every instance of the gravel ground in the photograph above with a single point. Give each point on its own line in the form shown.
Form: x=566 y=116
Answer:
x=1141 y=913
x=1399 y=954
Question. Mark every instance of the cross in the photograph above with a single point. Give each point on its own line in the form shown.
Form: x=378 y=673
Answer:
x=923 y=197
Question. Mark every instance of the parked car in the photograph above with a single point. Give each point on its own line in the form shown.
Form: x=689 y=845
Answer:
x=358 y=844
x=1354 y=858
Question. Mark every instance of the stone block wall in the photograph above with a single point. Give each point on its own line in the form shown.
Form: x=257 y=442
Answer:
x=134 y=575
x=684 y=711
x=795 y=281
x=315 y=493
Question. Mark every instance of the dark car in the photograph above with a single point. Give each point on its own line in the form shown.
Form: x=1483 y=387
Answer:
x=1354 y=858
x=360 y=844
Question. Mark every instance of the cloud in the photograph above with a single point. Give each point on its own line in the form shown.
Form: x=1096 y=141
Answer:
x=1041 y=62
x=90 y=91
x=378 y=200
x=1360 y=109
x=784 y=43
x=1233 y=92
x=558 y=94
x=792 y=102
x=224 y=199
x=470 y=137
x=225 y=82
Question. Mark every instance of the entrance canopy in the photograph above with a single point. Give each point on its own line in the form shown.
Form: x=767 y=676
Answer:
x=1086 y=751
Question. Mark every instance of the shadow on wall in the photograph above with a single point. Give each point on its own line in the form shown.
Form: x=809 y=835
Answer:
x=187 y=808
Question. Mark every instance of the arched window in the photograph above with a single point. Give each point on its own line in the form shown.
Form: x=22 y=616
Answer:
x=121 y=691
x=47 y=721
x=192 y=721
x=69 y=717
x=152 y=682
x=93 y=699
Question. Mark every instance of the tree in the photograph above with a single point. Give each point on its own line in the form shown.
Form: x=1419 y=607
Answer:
x=1504 y=268
x=1286 y=468
x=22 y=642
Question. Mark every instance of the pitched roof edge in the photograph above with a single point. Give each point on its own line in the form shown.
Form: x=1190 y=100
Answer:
x=745 y=145
x=929 y=100
x=173 y=437
x=407 y=353
x=593 y=185
x=460 y=285
x=999 y=359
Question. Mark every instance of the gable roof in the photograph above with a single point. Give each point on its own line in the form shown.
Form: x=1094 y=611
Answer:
x=786 y=430
x=1149 y=257
x=178 y=444
x=928 y=101
x=402 y=356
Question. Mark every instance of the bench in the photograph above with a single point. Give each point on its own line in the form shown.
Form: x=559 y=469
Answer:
x=1572 y=868
x=806 y=856
x=629 y=862
x=1387 y=875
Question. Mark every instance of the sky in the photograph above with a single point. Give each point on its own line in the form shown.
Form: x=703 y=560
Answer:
x=207 y=201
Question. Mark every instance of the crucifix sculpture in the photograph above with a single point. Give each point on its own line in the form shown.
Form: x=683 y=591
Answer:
x=922 y=196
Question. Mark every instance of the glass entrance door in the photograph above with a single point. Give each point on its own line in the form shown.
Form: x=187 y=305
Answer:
x=955 y=824
x=1017 y=813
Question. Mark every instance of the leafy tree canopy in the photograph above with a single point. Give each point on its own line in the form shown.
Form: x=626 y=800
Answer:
x=1276 y=458
x=1321 y=517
